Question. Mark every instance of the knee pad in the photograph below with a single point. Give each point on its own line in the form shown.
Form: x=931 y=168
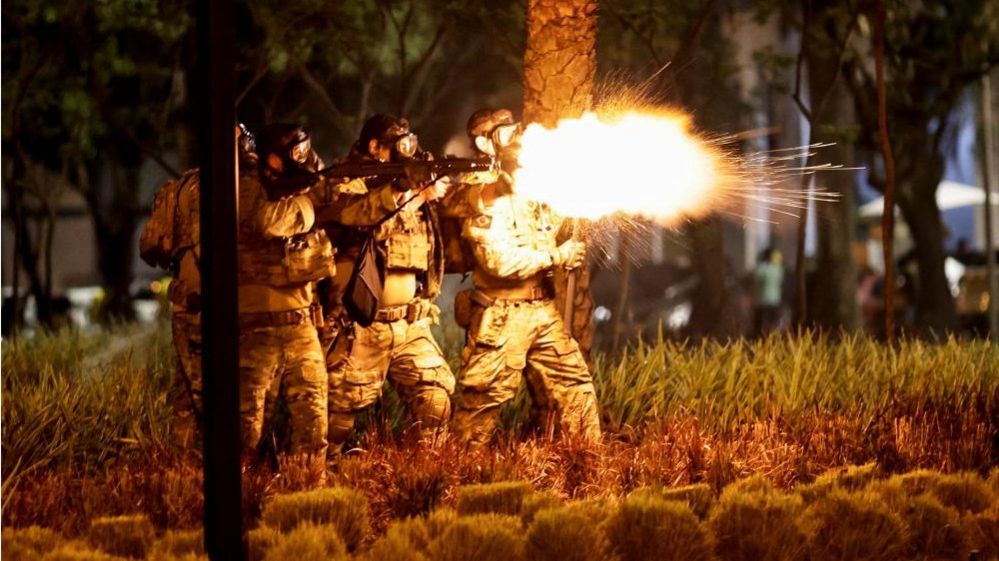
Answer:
x=433 y=407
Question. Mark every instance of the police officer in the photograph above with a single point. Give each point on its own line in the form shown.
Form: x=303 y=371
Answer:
x=514 y=330
x=281 y=257
x=398 y=345
x=171 y=239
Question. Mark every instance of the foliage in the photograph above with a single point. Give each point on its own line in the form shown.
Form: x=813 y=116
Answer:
x=854 y=526
x=568 y=533
x=410 y=539
x=308 y=542
x=646 y=527
x=179 y=545
x=502 y=497
x=762 y=525
x=27 y=543
x=534 y=503
x=344 y=509
x=260 y=541
x=62 y=408
x=480 y=537
x=128 y=536
x=850 y=478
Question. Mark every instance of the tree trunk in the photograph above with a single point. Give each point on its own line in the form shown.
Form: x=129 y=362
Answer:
x=709 y=302
x=832 y=304
x=559 y=68
x=935 y=311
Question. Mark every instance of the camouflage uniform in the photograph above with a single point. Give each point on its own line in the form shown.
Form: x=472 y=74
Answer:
x=398 y=346
x=173 y=231
x=280 y=259
x=513 y=327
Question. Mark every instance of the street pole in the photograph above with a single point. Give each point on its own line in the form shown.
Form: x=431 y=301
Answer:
x=988 y=154
x=224 y=538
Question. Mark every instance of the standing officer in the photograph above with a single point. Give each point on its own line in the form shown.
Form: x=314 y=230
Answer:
x=397 y=345
x=281 y=257
x=171 y=240
x=514 y=330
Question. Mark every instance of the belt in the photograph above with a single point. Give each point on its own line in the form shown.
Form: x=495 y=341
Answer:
x=486 y=297
x=275 y=319
x=412 y=311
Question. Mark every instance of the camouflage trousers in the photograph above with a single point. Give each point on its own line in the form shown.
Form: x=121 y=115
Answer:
x=186 y=399
x=511 y=340
x=283 y=362
x=402 y=352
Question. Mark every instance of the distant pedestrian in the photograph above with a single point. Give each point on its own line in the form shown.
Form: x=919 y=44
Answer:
x=769 y=277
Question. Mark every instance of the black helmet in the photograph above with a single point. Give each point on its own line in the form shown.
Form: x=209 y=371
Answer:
x=292 y=145
x=388 y=129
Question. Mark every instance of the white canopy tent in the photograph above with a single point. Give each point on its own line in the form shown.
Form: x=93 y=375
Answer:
x=950 y=195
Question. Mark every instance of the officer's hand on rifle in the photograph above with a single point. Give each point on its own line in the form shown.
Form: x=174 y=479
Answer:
x=569 y=255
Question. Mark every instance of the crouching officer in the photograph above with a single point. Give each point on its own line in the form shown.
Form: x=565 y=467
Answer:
x=513 y=327
x=281 y=257
x=397 y=345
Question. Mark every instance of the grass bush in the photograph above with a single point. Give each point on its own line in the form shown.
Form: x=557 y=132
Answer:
x=62 y=408
x=77 y=551
x=179 y=545
x=308 y=542
x=28 y=543
x=844 y=526
x=480 y=537
x=259 y=541
x=410 y=539
x=982 y=532
x=568 y=533
x=345 y=509
x=932 y=531
x=763 y=526
x=648 y=527
x=699 y=496
x=535 y=502
x=127 y=536
x=502 y=497
x=965 y=492
x=848 y=478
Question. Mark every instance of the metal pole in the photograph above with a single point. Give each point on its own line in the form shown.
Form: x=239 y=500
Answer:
x=987 y=170
x=224 y=538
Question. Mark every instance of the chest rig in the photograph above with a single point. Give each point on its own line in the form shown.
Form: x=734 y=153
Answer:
x=406 y=241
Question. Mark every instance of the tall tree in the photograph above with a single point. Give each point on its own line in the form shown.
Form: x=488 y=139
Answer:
x=932 y=55
x=560 y=62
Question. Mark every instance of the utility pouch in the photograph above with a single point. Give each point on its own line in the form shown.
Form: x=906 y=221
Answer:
x=492 y=326
x=366 y=285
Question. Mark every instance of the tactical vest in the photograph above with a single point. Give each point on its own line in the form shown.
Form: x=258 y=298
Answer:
x=174 y=222
x=286 y=261
x=406 y=242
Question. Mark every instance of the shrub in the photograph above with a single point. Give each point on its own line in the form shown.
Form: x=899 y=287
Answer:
x=76 y=551
x=345 y=509
x=536 y=502
x=502 y=497
x=933 y=531
x=309 y=542
x=982 y=531
x=260 y=541
x=757 y=526
x=849 y=478
x=648 y=527
x=844 y=526
x=480 y=537
x=966 y=492
x=27 y=543
x=699 y=496
x=994 y=480
x=186 y=545
x=411 y=538
x=570 y=533
x=127 y=536
x=752 y=484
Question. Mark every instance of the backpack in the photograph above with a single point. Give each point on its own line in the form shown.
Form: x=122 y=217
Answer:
x=166 y=233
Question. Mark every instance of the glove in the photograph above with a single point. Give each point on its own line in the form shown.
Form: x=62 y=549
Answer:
x=569 y=255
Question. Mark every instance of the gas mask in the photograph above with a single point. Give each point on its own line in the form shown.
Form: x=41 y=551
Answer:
x=499 y=139
x=405 y=146
x=297 y=170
